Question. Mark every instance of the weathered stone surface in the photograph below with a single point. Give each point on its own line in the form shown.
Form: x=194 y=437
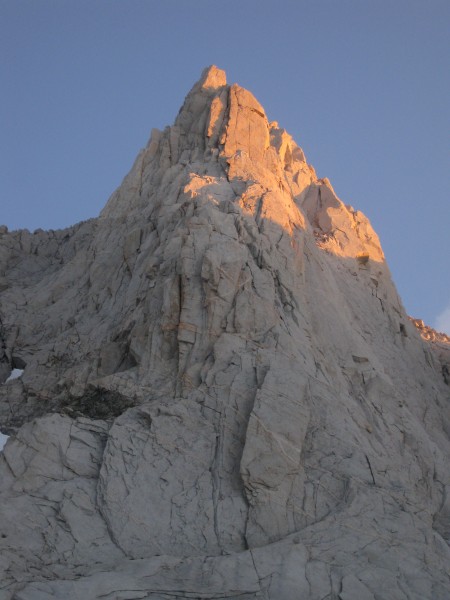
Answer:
x=222 y=395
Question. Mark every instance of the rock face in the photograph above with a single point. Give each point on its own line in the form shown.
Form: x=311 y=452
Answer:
x=222 y=396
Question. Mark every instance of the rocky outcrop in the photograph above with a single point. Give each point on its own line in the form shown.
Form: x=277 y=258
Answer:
x=428 y=333
x=222 y=395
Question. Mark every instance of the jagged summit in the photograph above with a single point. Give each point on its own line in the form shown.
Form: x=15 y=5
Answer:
x=222 y=395
x=212 y=77
x=222 y=131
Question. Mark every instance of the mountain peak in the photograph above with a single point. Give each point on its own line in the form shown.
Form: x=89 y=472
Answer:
x=221 y=392
x=212 y=77
x=222 y=129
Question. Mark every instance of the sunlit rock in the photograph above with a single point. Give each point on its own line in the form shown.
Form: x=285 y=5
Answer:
x=223 y=396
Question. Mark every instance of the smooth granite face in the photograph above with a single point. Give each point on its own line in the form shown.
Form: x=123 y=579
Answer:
x=222 y=396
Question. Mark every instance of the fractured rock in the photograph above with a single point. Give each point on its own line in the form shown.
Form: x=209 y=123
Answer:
x=222 y=395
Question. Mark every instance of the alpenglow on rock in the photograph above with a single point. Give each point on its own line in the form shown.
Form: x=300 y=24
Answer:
x=222 y=396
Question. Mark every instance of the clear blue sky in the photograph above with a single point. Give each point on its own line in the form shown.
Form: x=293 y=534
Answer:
x=363 y=86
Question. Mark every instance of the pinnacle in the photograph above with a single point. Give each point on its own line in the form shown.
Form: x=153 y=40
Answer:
x=223 y=356
x=212 y=77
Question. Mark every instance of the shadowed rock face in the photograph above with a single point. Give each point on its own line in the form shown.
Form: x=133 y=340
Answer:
x=222 y=395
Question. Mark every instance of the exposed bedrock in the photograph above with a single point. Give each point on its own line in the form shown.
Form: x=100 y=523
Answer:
x=222 y=396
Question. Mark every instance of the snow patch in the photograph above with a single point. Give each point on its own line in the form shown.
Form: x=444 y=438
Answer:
x=3 y=439
x=15 y=374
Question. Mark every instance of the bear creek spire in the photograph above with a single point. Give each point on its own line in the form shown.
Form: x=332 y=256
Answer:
x=221 y=395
